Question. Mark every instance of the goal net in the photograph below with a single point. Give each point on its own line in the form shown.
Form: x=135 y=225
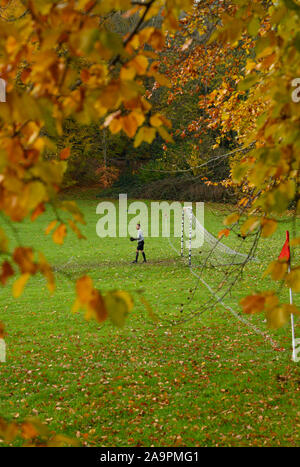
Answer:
x=212 y=251
x=217 y=267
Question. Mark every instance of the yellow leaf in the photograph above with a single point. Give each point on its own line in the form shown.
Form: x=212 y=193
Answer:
x=156 y=120
x=249 y=225
x=277 y=317
x=232 y=219
x=127 y=73
x=277 y=270
x=268 y=227
x=115 y=126
x=19 y=284
x=139 y=117
x=11 y=44
x=162 y=79
x=140 y=63
x=36 y=194
x=293 y=280
x=295 y=242
x=146 y=134
x=271 y=301
x=165 y=135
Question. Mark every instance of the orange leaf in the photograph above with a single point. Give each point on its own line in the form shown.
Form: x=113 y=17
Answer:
x=65 y=154
x=223 y=232
x=90 y=299
x=130 y=125
x=38 y=211
x=50 y=227
x=1 y=330
x=253 y=303
x=84 y=287
x=59 y=234
x=29 y=431
x=24 y=259
x=6 y=272
x=76 y=230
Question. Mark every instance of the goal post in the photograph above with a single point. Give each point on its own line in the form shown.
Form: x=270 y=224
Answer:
x=212 y=243
x=182 y=234
x=189 y=211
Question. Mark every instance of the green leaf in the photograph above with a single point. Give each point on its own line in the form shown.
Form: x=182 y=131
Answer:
x=118 y=304
x=253 y=26
x=248 y=82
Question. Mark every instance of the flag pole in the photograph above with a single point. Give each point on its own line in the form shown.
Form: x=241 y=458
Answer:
x=292 y=320
x=286 y=254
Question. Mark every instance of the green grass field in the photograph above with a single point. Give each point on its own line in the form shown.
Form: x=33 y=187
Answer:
x=208 y=382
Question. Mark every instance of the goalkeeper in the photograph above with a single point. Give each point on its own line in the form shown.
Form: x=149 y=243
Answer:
x=140 y=245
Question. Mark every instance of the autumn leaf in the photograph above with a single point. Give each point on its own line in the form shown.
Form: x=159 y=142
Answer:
x=224 y=232
x=59 y=234
x=76 y=230
x=40 y=209
x=293 y=279
x=277 y=270
x=50 y=227
x=268 y=227
x=280 y=316
x=253 y=303
x=165 y=135
x=19 y=284
x=146 y=134
x=118 y=304
x=28 y=430
x=90 y=300
x=129 y=125
x=97 y=307
x=2 y=330
x=249 y=225
x=65 y=154
x=24 y=258
x=231 y=219
x=6 y=272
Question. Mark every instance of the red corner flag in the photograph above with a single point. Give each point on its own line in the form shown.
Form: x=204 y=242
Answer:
x=285 y=252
